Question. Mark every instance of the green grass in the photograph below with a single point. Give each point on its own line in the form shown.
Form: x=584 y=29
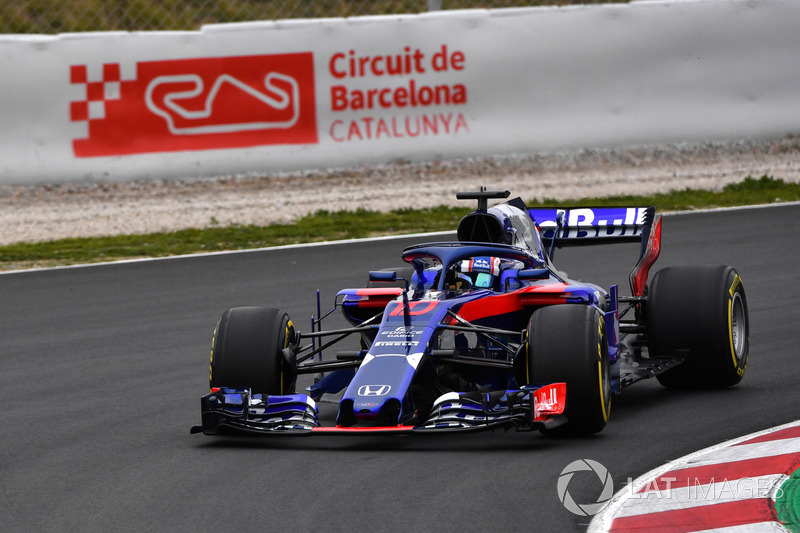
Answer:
x=59 y=16
x=327 y=226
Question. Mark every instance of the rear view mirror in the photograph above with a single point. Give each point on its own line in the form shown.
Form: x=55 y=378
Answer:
x=533 y=274
x=382 y=276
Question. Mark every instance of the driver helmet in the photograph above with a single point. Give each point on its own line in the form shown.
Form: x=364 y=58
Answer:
x=485 y=270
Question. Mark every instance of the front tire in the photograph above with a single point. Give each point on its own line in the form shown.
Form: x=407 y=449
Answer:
x=568 y=343
x=251 y=348
x=699 y=312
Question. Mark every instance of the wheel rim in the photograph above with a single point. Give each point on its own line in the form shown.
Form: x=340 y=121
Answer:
x=738 y=326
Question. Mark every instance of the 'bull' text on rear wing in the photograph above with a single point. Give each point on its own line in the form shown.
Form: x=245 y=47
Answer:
x=581 y=225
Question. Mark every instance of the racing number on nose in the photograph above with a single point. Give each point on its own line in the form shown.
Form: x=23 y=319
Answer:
x=414 y=308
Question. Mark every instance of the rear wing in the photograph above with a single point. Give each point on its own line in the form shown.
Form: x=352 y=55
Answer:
x=586 y=225
x=597 y=225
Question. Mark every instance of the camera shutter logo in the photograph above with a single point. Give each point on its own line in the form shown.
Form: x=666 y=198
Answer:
x=581 y=465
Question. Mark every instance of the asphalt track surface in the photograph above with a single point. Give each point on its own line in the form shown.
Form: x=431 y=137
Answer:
x=103 y=367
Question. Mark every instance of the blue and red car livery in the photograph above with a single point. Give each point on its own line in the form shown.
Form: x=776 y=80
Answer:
x=484 y=332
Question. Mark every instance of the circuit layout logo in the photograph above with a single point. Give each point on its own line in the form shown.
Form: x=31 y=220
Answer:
x=195 y=104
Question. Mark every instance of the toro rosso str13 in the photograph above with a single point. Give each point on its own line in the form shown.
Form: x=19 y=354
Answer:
x=484 y=332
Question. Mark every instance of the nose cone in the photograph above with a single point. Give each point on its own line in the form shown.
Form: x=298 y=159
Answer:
x=376 y=393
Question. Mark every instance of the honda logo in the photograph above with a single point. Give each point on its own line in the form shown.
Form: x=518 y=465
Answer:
x=374 y=390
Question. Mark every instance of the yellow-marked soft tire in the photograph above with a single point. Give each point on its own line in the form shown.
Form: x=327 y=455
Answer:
x=700 y=313
x=567 y=343
x=252 y=348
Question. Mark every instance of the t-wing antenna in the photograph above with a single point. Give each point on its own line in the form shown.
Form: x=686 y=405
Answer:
x=482 y=196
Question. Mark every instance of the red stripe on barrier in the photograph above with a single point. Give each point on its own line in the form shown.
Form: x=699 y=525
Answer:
x=703 y=475
x=721 y=515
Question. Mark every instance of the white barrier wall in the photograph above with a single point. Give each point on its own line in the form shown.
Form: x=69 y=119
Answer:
x=268 y=96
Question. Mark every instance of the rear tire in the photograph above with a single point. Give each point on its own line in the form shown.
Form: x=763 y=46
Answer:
x=699 y=312
x=567 y=343
x=247 y=351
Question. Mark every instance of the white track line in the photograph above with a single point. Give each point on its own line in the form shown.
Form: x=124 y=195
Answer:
x=347 y=241
x=231 y=252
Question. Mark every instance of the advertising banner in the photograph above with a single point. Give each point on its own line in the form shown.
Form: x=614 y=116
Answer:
x=291 y=95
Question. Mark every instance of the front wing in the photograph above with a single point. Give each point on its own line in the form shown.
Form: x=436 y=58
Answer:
x=231 y=411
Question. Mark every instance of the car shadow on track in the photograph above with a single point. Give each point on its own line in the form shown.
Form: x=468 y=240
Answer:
x=427 y=443
x=498 y=440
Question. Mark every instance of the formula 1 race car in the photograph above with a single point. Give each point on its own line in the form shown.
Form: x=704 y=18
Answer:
x=484 y=332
